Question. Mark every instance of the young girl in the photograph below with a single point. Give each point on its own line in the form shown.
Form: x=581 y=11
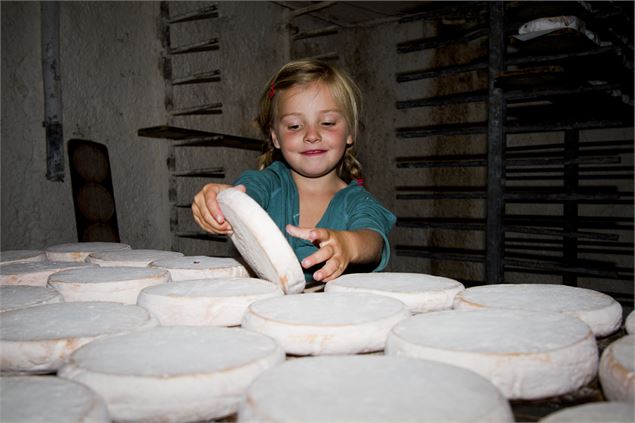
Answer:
x=309 y=181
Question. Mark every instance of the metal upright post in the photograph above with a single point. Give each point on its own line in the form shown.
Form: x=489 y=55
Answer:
x=495 y=148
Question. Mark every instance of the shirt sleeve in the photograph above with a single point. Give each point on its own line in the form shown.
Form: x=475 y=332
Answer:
x=365 y=212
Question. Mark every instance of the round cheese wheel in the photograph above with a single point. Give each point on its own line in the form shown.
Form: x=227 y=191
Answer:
x=30 y=399
x=12 y=256
x=420 y=292
x=614 y=412
x=216 y=302
x=189 y=268
x=35 y=273
x=132 y=258
x=617 y=370
x=13 y=297
x=78 y=251
x=173 y=374
x=39 y=339
x=367 y=388
x=260 y=242
x=118 y=284
x=326 y=323
x=601 y=312
x=629 y=324
x=527 y=355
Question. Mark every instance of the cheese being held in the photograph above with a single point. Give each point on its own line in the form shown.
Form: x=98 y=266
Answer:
x=173 y=374
x=260 y=242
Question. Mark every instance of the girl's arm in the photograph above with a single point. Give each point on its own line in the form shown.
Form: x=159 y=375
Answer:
x=338 y=249
x=207 y=212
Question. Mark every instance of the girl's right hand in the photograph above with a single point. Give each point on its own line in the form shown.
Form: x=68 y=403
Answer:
x=207 y=212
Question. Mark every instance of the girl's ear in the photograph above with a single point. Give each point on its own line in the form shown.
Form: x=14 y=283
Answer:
x=274 y=139
x=349 y=140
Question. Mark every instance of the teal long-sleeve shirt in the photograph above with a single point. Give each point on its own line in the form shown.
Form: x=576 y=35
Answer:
x=352 y=208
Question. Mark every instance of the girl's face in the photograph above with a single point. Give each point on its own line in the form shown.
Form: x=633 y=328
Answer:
x=310 y=130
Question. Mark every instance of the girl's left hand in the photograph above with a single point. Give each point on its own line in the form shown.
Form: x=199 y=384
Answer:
x=334 y=251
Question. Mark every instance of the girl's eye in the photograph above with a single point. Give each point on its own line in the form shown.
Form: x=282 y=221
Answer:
x=293 y=127
x=328 y=123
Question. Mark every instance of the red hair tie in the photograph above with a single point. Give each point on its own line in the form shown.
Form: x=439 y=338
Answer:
x=360 y=181
x=272 y=90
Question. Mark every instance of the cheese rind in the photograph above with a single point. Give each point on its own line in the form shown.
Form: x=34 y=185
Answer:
x=420 y=292
x=39 y=339
x=629 y=323
x=14 y=297
x=614 y=412
x=216 y=302
x=35 y=273
x=49 y=399
x=201 y=267
x=617 y=370
x=200 y=374
x=326 y=323
x=527 y=355
x=363 y=388
x=78 y=251
x=117 y=284
x=14 y=256
x=260 y=242
x=131 y=258
x=600 y=311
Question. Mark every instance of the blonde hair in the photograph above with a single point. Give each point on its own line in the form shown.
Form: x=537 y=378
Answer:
x=302 y=72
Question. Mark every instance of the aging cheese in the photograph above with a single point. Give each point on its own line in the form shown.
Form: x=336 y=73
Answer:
x=39 y=339
x=527 y=355
x=601 y=312
x=189 y=268
x=614 y=412
x=367 y=388
x=260 y=242
x=118 y=284
x=173 y=374
x=13 y=256
x=420 y=292
x=13 y=297
x=216 y=302
x=132 y=258
x=617 y=370
x=35 y=273
x=28 y=399
x=629 y=324
x=78 y=251
x=326 y=323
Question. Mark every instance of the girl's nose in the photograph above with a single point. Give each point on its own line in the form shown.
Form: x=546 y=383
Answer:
x=312 y=135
